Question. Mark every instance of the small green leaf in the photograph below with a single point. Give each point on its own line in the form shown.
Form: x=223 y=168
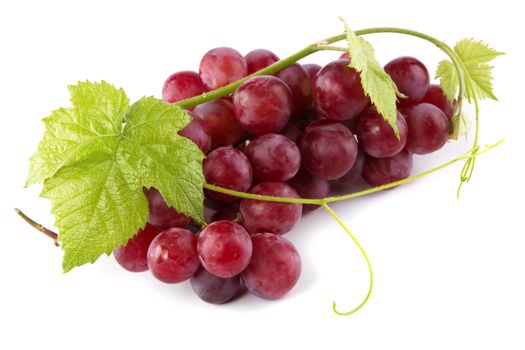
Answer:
x=474 y=56
x=460 y=126
x=376 y=83
x=94 y=168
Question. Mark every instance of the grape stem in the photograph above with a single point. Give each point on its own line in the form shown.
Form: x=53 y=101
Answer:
x=51 y=234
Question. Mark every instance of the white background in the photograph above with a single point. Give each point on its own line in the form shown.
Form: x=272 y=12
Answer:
x=449 y=273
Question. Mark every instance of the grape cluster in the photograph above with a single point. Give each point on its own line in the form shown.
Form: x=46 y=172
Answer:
x=306 y=131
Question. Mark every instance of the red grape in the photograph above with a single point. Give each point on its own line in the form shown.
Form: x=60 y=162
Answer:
x=428 y=128
x=292 y=132
x=381 y=171
x=376 y=136
x=344 y=56
x=229 y=213
x=345 y=184
x=213 y=289
x=436 y=97
x=300 y=85
x=273 y=157
x=338 y=93
x=220 y=121
x=134 y=255
x=328 y=149
x=275 y=266
x=172 y=255
x=312 y=69
x=197 y=132
x=182 y=85
x=259 y=59
x=160 y=215
x=227 y=167
x=410 y=76
x=273 y=217
x=224 y=248
x=263 y=104
x=309 y=186
x=222 y=66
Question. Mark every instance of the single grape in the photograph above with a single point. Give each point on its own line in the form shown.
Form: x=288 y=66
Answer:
x=220 y=121
x=197 y=132
x=376 y=136
x=221 y=66
x=273 y=157
x=275 y=267
x=134 y=255
x=263 y=104
x=312 y=69
x=229 y=213
x=224 y=248
x=428 y=128
x=309 y=186
x=381 y=171
x=273 y=217
x=160 y=214
x=328 y=149
x=292 y=132
x=338 y=93
x=347 y=183
x=213 y=289
x=172 y=255
x=215 y=204
x=227 y=167
x=299 y=83
x=259 y=59
x=182 y=85
x=410 y=76
x=344 y=56
x=436 y=97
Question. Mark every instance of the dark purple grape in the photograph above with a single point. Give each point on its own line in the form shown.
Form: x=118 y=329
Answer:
x=263 y=104
x=436 y=97
x=292 y=132
x=222 y=66
x=197 y=132
x=312 y=69
x=182 y=85
x=224 y=248
x=134 y=255
x=428 y=128
x=300 y=85
x=160 y=215
x=328 y=149
x=347 y=183
x=338 y=93
x=381 y=171
x=274 y=269
x=220 y=121
x=227 y=167
x=273 y=217
x=273 y=157
x=259 y=59
x=309 y=186
x=376 y=136
x=229 y=213
x=410 y=76
x=213 y=289
x=172 y=255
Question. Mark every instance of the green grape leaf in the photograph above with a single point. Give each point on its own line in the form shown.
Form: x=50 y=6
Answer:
x=474 y=56
x=94 y=168
x=376 y=83
x=460 y=126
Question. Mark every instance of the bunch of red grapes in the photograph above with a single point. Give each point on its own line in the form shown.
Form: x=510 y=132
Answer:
x=306 y=131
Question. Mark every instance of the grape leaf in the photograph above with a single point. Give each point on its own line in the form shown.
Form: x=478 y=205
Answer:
x=94 y=168
x=474 y=56
x=376 y=83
